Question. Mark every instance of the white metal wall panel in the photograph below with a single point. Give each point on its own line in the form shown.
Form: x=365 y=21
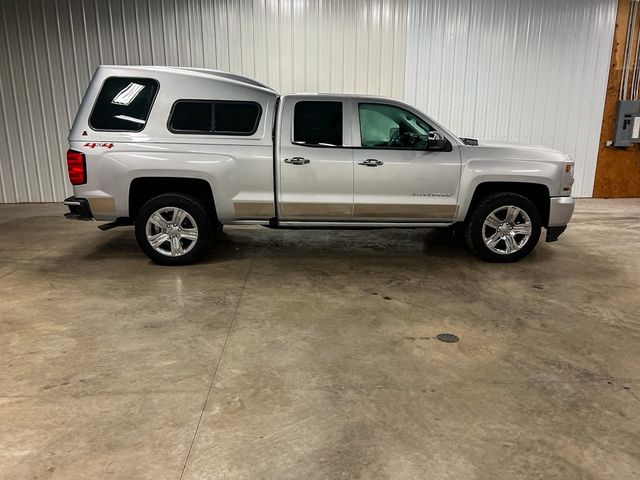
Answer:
x=527 y=71
x=52 y=47
x=531 y=71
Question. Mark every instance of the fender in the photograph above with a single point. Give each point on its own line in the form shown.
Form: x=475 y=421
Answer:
x=477 y=172
x=218 y=170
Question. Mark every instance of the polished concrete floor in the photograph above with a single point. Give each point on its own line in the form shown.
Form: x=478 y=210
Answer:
x=312 y=354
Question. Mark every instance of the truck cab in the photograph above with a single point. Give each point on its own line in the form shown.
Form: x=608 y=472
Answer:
x=179 y=152
x=363 y=160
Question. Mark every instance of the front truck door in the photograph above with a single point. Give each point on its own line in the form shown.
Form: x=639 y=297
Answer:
x=396 y=178
x=315 y=170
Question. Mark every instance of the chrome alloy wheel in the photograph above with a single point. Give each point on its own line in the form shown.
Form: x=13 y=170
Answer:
x=506 y=230
x=171 y=231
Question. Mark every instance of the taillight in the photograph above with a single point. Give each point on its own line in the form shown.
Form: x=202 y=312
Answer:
x=77 y=167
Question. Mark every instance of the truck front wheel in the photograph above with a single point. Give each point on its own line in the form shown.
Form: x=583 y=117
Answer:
x=504 y=227
x=173 y=229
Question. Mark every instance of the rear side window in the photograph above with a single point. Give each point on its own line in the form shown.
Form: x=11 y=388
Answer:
x=318 y=123
x=192 y=117
x=236 y=118
x=215 y=117
x=123 y=104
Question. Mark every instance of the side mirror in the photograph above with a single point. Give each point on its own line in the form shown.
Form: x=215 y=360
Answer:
x=435 y=141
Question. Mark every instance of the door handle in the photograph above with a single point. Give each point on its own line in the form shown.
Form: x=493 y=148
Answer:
x=371 y=162
x=297 y=161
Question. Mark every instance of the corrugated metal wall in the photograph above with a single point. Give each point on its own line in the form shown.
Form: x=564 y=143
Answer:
x=53 y=47
x=526 y=71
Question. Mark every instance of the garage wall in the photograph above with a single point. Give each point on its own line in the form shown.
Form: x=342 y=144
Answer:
x=474 y=65
x=515 y=70
x=53 y=48
x=618 y=170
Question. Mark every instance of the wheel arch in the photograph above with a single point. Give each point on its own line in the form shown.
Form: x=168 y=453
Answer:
x=538 y=193
x=144 y=188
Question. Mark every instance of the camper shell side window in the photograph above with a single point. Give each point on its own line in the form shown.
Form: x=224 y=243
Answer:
x=214 y=117
x=123 y=104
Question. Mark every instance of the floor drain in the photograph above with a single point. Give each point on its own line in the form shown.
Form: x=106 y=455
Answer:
x=447 y=337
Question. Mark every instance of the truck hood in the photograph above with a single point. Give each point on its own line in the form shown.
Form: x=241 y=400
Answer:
x=515 y=152
x=517 y=146
x=509 y=162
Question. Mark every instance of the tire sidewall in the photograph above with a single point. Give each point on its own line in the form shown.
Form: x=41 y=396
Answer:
x=474 y=236
x=190 y=205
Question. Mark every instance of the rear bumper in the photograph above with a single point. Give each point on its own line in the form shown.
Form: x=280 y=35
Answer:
x=79 y=209
x=560 y=211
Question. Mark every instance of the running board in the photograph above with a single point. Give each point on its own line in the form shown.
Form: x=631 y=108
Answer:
x=118 y=222
x=285 y=224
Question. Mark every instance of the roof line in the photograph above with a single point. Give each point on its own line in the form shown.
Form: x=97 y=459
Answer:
x=219 y=74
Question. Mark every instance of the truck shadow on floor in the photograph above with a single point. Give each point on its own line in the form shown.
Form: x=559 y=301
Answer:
x=239 y=243
x=387 y=251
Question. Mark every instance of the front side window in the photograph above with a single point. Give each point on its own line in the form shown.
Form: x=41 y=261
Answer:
x=215 y=117
x=123 y=104
x=388 y=126
x=318 y=124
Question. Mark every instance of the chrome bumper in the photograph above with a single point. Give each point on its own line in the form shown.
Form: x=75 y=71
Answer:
x=560 y=211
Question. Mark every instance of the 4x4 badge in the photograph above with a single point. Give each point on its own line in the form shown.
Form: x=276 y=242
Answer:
x=94 y=145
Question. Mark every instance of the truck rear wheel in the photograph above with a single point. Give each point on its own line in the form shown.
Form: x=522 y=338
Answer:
x=173 y=229
x=504 y=227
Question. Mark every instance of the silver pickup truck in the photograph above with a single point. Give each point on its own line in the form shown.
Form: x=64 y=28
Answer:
x=180 y=152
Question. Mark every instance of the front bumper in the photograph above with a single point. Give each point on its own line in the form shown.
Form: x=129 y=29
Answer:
x=554 y=232
x=79 y=209
x=560 y=211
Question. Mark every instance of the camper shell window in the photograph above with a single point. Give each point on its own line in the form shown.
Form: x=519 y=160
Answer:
x=214 y=117
x=123 y=104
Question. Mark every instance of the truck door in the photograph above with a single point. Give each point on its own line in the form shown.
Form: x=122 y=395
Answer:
x=314 y=169
x=396 y=178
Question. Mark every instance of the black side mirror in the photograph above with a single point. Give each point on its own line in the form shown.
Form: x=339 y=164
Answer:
x=437 y=142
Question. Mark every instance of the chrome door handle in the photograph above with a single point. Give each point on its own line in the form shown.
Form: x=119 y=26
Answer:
x=297 y=161
x=371 y=162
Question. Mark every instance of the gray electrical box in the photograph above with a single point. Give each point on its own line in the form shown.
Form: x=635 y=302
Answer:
x=627 y=123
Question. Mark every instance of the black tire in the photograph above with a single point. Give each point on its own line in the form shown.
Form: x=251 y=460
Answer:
x=489 y=204
x=199 y=216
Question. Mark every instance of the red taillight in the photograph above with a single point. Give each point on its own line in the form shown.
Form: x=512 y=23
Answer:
x=77 y=167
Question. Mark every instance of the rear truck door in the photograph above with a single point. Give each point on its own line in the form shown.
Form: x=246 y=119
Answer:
x=396 y=177
x=314 y=170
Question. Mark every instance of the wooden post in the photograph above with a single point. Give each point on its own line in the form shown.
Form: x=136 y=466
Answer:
x=618 y=169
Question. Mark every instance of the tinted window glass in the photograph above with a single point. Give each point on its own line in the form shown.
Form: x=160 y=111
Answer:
x=388 y=126
x=192 y=117
x=211 y=117
x=123 y=104
x=318 y=123
x=236 y=118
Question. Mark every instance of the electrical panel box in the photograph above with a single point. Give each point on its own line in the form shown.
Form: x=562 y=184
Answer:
x=635 y=129
x=627 y=123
